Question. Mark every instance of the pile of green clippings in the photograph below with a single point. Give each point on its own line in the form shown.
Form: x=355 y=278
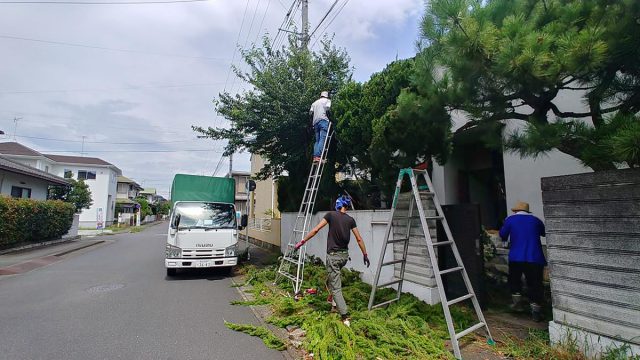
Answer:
x=407 y=329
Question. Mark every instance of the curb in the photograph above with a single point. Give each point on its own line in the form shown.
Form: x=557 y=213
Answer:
x=40 y=245
x=288 y=354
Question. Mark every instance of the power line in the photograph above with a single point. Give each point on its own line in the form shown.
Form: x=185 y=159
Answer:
x=105 y=142
x=217 y=151
x=233 y=59
x=138 y=87
x=324 y=18
x=331 y=22
x=95 y=47
x=102 y=2
x=283 y=25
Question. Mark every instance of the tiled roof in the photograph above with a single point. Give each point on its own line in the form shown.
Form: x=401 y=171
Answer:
x=126 y=180
x=13 y=148
x=77 y=160
x=14 y=167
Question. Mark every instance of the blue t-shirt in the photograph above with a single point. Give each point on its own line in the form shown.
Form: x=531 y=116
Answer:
x=525 y=231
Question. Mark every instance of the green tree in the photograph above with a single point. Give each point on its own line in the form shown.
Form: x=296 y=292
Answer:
x=271 y=119
x=77 y=193
x=163 y=207
x=145 y=208
x=522 y=59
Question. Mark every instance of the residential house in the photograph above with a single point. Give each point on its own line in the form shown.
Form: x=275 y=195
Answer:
x=241 y=178
x=264 y=217
x=22 y=181
x=100 y=175
x=127 y=188
x=150 y=194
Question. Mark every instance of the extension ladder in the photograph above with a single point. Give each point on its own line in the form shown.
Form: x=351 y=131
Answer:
x=401 y=218
x=292 y=264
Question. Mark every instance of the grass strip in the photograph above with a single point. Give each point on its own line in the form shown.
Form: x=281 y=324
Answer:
x=270 y=340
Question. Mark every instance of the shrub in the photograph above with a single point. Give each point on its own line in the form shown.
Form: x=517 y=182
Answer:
x=25 y=221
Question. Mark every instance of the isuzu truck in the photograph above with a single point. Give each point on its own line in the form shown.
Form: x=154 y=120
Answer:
x=204 y=225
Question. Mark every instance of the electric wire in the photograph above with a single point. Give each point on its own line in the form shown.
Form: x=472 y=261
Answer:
x=324 y=18
x=105 y=142
x=287 y=17
x=96 y=47
x=137 y=87
x=330 y=22
x=101 y=2
x=217 y=151
x=246 y=40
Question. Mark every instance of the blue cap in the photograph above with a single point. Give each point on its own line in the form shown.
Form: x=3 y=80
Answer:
x=342 y=201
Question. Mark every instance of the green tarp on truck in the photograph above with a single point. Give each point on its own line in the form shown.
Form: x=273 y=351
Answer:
x=203 y=188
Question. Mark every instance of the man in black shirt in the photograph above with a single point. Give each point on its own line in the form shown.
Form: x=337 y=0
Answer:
x=340 y=226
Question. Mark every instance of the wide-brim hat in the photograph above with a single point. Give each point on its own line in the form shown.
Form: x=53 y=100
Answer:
x=520 y=206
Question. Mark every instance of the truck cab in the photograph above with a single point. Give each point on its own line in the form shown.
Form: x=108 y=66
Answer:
x=202 y=234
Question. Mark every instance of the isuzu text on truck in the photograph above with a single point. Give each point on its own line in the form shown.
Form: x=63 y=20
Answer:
x=203 y=232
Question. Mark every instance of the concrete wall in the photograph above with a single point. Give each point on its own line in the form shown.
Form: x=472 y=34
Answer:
x=593 y=237
x=372 y=225
x=38 y=187
x=265 y=197
x=270 y=236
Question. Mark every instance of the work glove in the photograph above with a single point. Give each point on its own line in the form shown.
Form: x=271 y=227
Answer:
x=298 y=245
x=366 y=260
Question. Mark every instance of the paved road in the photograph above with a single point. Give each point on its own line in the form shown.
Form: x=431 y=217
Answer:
x=112 y=301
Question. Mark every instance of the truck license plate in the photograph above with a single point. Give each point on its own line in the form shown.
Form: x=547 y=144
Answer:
x=204 y=264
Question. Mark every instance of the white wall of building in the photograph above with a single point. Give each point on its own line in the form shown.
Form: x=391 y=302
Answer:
x=39 y=188
x=372 y=226
x=103 y=191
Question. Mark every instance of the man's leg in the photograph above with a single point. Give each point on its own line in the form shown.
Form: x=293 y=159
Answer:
x=515 y=284
x=534 y=274
x=317 y=145
x=323 y=127
x=335 y=262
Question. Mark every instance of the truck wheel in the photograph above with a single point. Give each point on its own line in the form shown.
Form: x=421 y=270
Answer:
x=171 y=272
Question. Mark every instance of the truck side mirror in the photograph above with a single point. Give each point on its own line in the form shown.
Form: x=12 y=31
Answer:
x=176 y=221
x=244 y=220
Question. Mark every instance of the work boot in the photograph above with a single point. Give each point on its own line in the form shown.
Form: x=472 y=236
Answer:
x=516 y=304
x=536 y=312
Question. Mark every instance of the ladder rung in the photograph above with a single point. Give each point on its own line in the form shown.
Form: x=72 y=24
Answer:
x=470 y=330
x=287 y=275
x=389 y=283
x=397 y=240
x=393 y=262
x=384 y=303
x=461 y=298
x=443 y=243
x=292 y=260
x=434 y=217
x=457 y=268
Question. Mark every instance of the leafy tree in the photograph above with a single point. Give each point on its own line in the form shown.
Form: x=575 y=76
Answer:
x=77 y=193
x=163 y=207
x=271 y=119
x=145 y=208
x=522 y=60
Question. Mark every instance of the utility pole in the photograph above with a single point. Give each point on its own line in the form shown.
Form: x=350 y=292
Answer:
x=15 y=126
x=230 y=165
x=305 y=23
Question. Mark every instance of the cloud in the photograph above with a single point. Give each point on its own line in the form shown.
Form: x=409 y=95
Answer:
x=166 y=64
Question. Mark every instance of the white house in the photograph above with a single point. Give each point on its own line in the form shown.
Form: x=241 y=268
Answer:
x=100 y=175
x=22 y=181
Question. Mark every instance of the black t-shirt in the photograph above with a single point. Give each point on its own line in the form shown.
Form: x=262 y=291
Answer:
x=340 y=226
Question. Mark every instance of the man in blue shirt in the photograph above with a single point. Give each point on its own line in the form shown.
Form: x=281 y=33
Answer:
x=525 y=256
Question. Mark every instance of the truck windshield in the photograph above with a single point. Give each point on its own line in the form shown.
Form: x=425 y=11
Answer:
x=206 y=216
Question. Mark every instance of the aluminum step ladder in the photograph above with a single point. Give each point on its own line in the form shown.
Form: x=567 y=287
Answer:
x=292 y=264
x=403 y=216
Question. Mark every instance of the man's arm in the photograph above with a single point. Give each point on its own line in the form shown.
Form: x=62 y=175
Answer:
x=312 y=233
x=356 y=233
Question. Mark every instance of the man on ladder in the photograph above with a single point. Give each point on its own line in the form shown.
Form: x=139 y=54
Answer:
x=340 y=224
x=320 y=112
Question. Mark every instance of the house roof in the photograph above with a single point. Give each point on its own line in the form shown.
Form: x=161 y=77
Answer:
x=151 y=191
x=13 y=148
x=78 y=160
x=126 y=180
x=17 y=168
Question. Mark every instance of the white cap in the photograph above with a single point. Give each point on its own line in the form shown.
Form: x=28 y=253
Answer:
x=324 y=94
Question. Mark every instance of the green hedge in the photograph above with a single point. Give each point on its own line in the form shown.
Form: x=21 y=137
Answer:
x=24 y=221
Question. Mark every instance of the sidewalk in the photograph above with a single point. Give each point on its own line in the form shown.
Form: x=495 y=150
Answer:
x=22 y=261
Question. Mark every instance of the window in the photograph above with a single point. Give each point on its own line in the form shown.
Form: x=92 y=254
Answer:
x=68 y=174
x=46 y=168
x=20 y=192
x=86 y=175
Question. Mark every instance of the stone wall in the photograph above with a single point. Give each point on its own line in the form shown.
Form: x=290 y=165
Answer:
x=593 y=243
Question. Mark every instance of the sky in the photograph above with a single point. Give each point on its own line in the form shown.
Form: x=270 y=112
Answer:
x=129 y=80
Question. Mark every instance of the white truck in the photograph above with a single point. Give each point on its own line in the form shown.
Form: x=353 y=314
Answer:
x=203 y=230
